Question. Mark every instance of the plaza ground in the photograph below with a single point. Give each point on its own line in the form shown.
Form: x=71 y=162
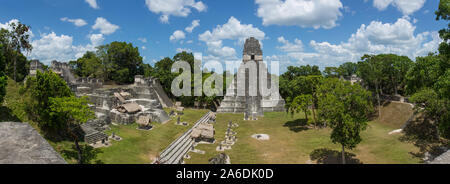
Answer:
x=292 y=143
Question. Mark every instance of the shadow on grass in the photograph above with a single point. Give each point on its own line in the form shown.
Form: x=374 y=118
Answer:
x=89 y=154
x=423 y=134
x=6 y=114
x=297 y=125
x=327 y=156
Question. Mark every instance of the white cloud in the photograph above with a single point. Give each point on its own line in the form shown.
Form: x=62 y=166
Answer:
x=180 y=8
x=287 y=46
x=407 y=7
x=177 y=35
x=232 y=30
x=144 y=48
x=303 y=13
x=96 y=39
x=194 y=24
x=143 y=40
x=53 y=47
x=375 y=38
x=76 y=22
x=92 y=3
x=104 y=26
x=184 y=50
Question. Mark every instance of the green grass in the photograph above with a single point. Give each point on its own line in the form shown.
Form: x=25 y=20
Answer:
x=293 y=144
x=395 y=114
x=141 y=147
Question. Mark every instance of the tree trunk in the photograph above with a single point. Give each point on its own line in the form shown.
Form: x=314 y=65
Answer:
x=343 y=154
x=379 y=102
x=77 y=146
x=15 y=59
x=314 y=115
x=80 y=159
x=306 y=115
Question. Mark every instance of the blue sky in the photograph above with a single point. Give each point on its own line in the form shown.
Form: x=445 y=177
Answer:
x=295 y=32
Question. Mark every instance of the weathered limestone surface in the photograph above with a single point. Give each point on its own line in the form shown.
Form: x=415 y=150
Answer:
x=21 y=144
x=253 y=105
x=442 y=159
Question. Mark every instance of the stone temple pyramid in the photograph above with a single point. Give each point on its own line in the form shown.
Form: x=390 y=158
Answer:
x=251 y=104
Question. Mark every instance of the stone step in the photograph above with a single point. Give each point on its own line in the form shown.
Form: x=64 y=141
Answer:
x=175 y=152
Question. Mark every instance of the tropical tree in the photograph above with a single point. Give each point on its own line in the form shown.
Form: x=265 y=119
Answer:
x=301 y=104
x=3 y=78
x=18 y=40
x=73 y=112
x=345 y=108
x=43 y=87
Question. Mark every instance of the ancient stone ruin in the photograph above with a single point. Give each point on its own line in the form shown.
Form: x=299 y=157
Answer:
x=122 y=104
x=22 y=144
x=252 y=105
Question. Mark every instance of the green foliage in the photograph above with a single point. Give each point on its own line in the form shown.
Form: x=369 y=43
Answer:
x=43 y=87
x=3 y=84
x=332 y=72
x=425 y=73
x=348 y=69
x=384 y=73
x=443 y=13
x=294 y=82
x=301 y=104
x=119 y=62
x=3 y=78
x=72 y=110
x=16 y=40
x=435 y=108
x=345 y=108
x=88 y=66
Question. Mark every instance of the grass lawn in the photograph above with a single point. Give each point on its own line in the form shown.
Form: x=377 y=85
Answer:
x=141 y=147
x=291 y=143
x=395 y=114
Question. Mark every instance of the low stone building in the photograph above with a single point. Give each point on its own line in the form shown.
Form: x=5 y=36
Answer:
x=21 y=144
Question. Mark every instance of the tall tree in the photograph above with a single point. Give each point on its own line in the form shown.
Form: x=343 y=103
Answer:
x=18 y=40
x=370 y=69
x=443 y=13
x=73 y=112
x=3 y=78
x=345 y=108
x=121 y=61
x=43 y=87
x=301 y=103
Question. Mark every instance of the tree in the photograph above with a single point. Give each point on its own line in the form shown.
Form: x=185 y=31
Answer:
x=348 y=69
x=345 y=108
x=43 y=87
x=121 y=61
x=88 y=66
x=424 y=73
x=370 y=69
x=443 y=13
x=332 y=72
x=18 y=40
x=434 y=108
x=3 y=78
x=73 y=112
x=301 y=103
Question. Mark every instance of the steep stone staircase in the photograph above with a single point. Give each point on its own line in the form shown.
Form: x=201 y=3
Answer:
x=175 y=152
